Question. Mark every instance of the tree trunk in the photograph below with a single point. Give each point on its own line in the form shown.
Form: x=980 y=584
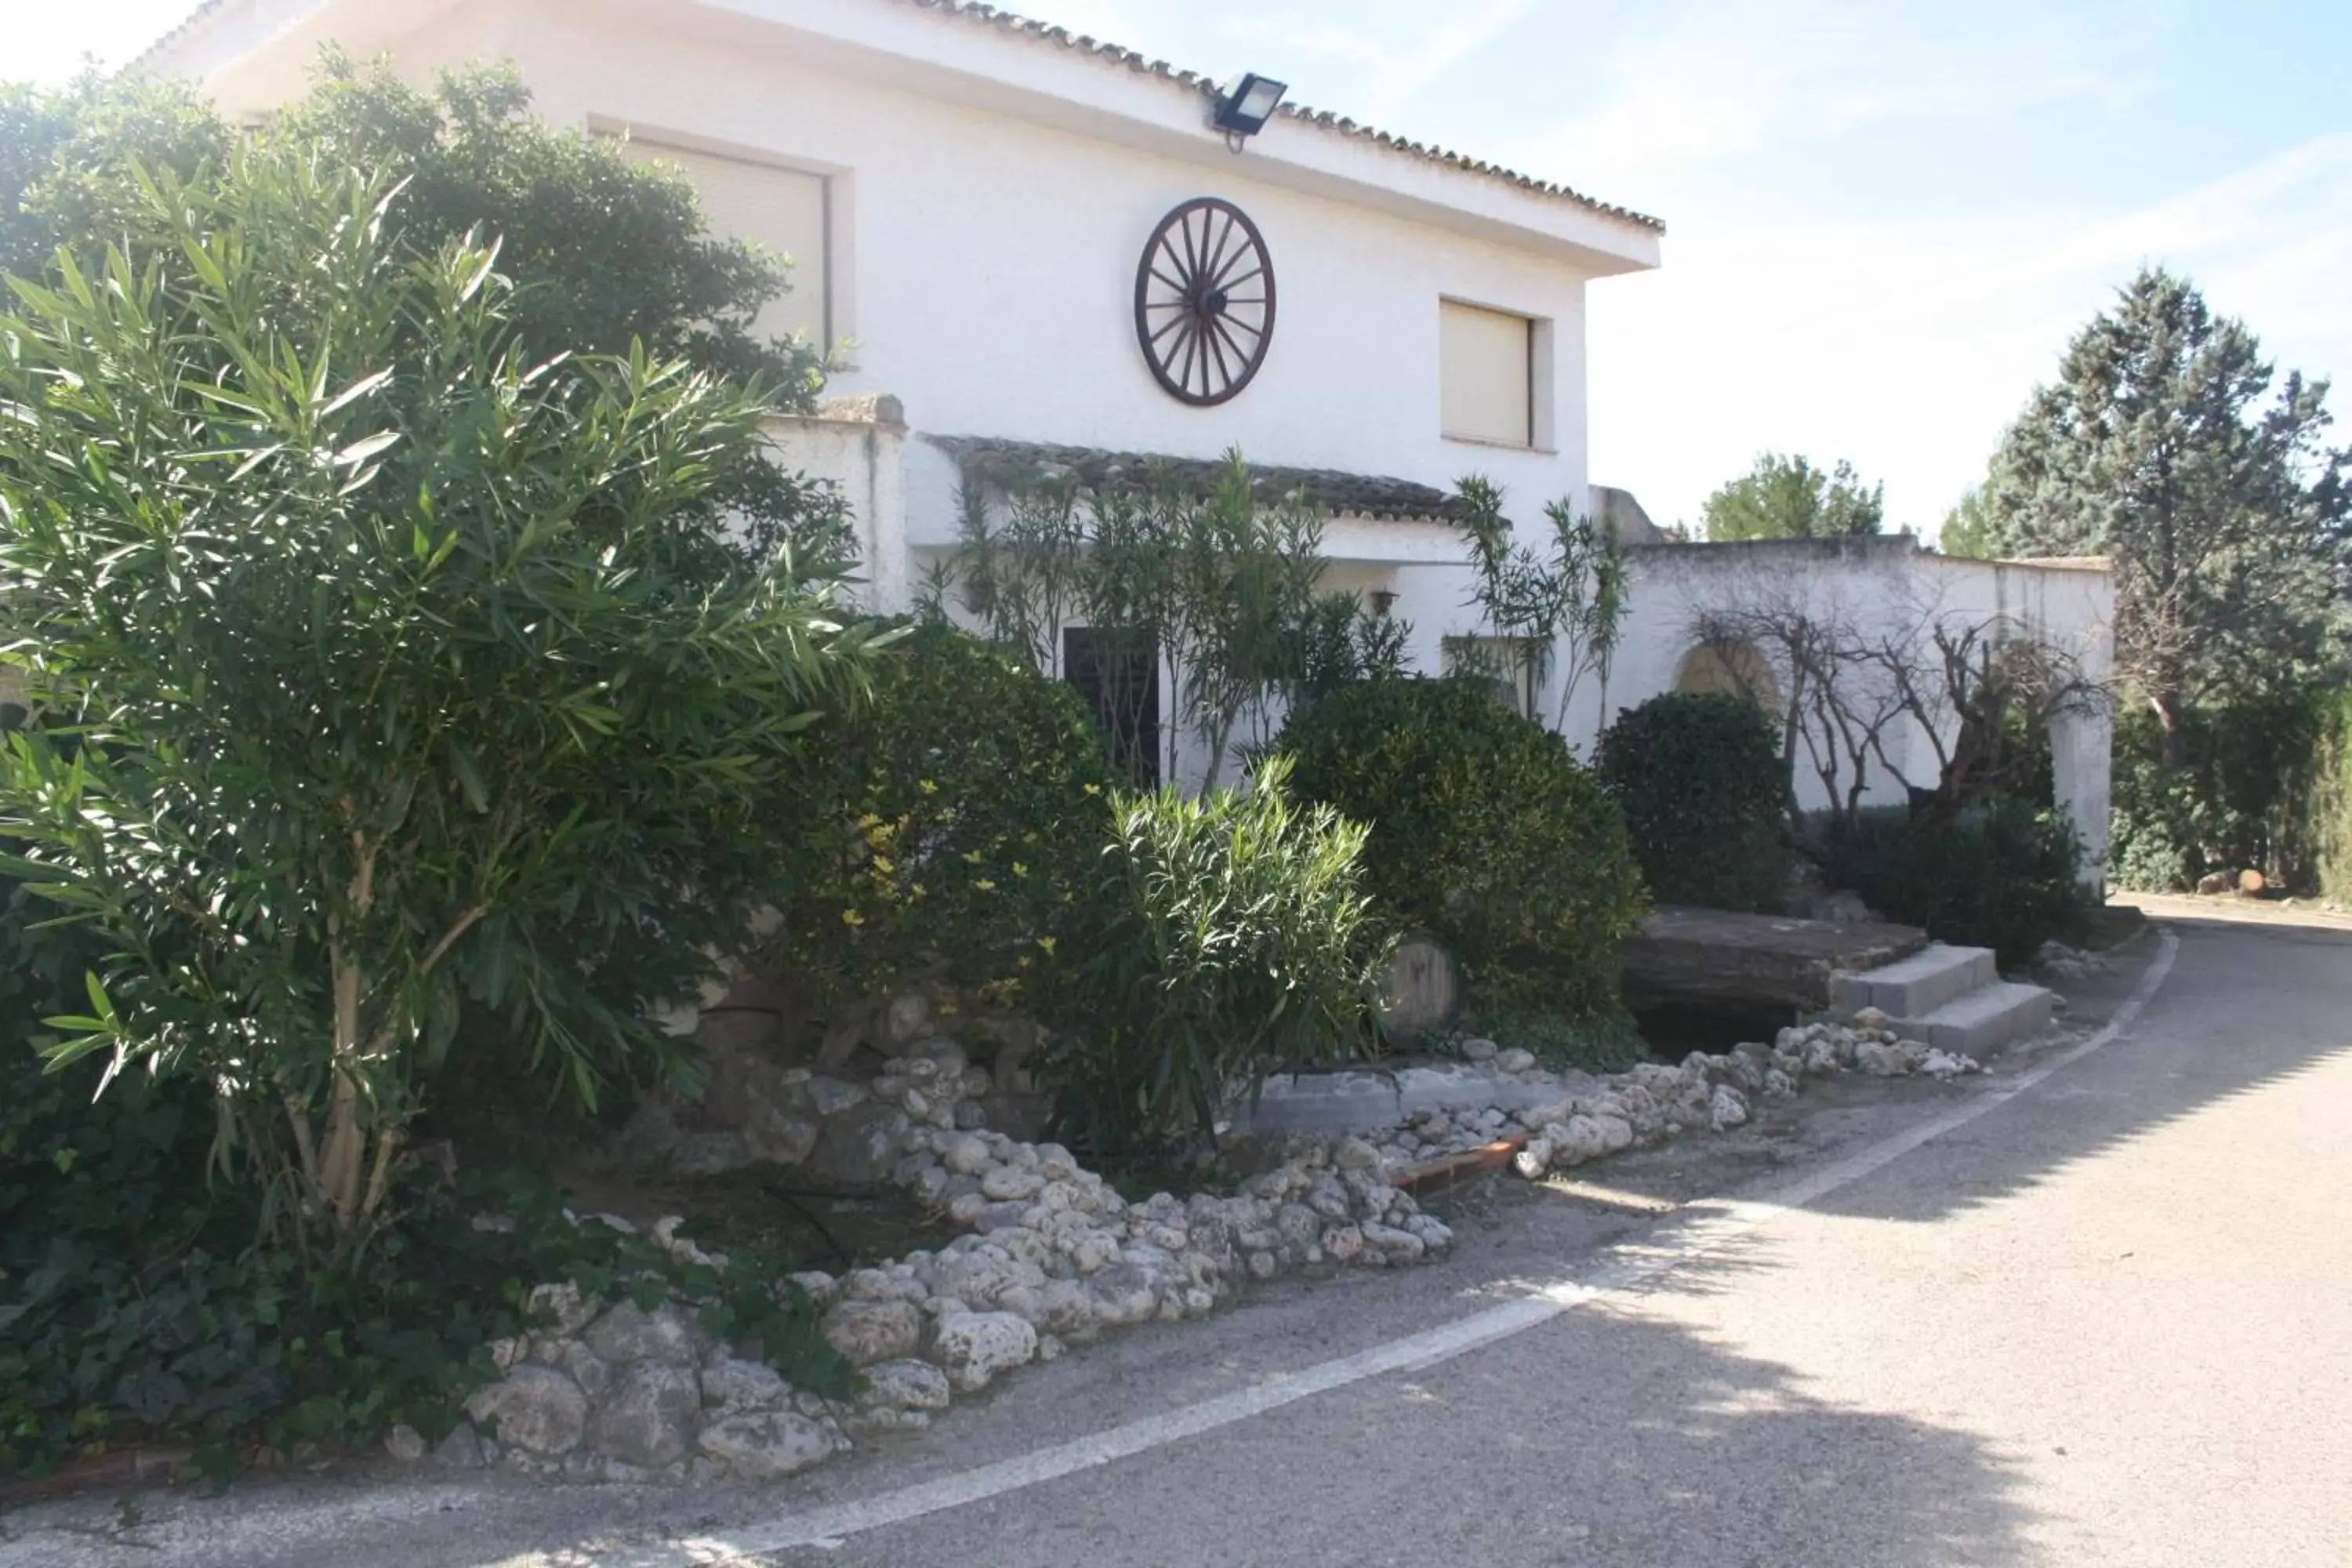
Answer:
x=2168 y=715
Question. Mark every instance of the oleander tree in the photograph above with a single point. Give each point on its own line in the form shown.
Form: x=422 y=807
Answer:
x=380 y=668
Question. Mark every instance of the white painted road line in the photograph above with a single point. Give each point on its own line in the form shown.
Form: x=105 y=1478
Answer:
x=1697 y=1230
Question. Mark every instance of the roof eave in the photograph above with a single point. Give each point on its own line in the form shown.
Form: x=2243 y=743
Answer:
x=242 y=50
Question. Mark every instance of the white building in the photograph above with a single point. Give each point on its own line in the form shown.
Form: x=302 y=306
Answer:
x=973 y=203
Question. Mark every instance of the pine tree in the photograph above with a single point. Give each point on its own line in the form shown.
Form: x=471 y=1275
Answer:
x=1789 y=497
x=2163 y=445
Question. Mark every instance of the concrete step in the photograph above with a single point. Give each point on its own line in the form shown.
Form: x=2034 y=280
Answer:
x=1984 y=1020
x=1914 y=986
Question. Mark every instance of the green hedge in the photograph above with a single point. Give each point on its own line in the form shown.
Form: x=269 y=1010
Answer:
x=1704 y=790
x=2004 y=874
x=1486 y=833
x=2329 y=809
x=2263 y=786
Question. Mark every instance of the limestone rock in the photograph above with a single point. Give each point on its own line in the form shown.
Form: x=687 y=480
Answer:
x=1401 y=1246
x=858 y=1146
x=1479 y=1050
x=592 y=1371
x=1063 y=1306
x=537 y=1408
x=761 y=1445
x=1343 y=1242
x=1329 y=1198
x=831 y=1096
x=1726 y=1108
x=1123 y=1292
x=1007 y=1184
x=1880 y=1060
x=1616 y=1133
x=628 y=1333
x=1576 y=1140
x=1298 y=1225
x=560 y=1309
x=973 y=1347
x=461 y=1449
x=1355 y=1154
x=865 y=1333
x=648 y=1417
x=966 y=1155
x=907 y=1385
x=405 y=1442
x=779 y=1140
x=1516 y=1059
x=906 y=1019
x=733 y=1385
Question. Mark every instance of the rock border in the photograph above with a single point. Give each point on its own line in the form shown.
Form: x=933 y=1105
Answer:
x=1050 y=1255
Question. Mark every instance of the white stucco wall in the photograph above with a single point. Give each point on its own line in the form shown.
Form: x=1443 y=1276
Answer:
x=987 y=227
x=990 y=197
x=1885 y=585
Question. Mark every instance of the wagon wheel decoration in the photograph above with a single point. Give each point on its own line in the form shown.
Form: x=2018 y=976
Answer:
x=1204 y=301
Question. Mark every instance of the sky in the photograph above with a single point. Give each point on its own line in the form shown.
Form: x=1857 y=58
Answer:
x=1883 y=220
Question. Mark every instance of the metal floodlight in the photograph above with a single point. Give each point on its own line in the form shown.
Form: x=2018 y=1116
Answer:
x=1244 y=106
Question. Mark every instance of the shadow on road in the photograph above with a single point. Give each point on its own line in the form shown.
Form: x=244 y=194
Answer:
x=1607 y=1437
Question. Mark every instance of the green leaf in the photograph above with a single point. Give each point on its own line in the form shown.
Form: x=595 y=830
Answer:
x=360 y=451
x=469 y=774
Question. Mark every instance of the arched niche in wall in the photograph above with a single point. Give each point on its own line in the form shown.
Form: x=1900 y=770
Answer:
x=1734 y=669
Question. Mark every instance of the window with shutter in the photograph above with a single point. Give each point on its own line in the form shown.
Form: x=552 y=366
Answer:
x=1486 y=375
x=783 y=209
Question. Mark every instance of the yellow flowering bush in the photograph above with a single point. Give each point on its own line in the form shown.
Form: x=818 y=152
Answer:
x=972 y=791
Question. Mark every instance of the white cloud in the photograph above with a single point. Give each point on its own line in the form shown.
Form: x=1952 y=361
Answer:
x=1907 y=346
x=1696 y=82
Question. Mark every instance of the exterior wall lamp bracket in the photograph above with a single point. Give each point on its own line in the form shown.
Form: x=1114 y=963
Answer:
x=1244 y=106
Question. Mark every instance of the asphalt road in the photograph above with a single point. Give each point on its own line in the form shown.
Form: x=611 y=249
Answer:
x=2088 y=1311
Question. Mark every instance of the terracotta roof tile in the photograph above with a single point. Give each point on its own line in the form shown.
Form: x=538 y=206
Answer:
x=1113 y=54
x=1048 y=33
x=185 y=26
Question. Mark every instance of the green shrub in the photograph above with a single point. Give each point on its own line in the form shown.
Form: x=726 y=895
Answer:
x=1227 y=937
x=1705 y=790
x=2003 y=874
x=140 y=1298
x=1485 y=832
x=2329 y=809
x=413 y=707
x=2159 y=827
x=972 y=798
x=2258 y=786
x=135 y=1304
